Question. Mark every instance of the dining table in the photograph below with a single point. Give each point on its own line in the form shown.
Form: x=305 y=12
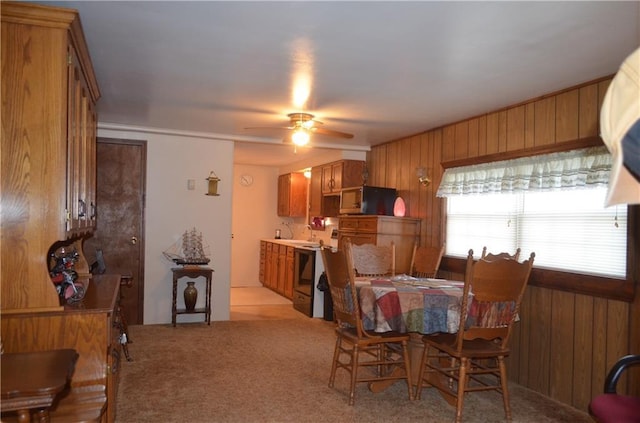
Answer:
x=31 y=381
x=410 y=305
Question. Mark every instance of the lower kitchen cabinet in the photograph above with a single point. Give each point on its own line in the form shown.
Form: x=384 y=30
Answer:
x=382 y=230
x=276 y=269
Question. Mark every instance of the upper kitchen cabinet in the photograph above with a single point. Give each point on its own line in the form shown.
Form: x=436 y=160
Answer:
x=49 y=92
x=292 y=195
x=341 y=174
x=315 y=192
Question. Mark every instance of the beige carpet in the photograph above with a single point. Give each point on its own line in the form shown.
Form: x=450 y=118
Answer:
x=277 y=371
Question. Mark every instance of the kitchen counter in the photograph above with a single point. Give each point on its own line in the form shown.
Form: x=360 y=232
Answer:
x=297 y=243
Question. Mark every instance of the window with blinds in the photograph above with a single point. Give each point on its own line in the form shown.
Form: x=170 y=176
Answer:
x=568 y=230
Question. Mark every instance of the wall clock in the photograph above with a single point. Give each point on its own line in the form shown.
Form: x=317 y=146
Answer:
x=246 y=180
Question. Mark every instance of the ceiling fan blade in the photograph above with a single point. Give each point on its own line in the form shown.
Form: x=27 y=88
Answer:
x=268 y=127
x=330 y=133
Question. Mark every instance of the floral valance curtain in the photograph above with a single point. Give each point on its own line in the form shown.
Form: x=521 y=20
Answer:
x=583 y=168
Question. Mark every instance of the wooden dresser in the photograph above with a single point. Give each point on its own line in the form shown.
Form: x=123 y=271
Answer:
x=382 y=230
x=48 y=187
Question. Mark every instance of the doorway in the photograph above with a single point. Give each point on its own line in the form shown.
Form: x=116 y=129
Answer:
x=121 y=185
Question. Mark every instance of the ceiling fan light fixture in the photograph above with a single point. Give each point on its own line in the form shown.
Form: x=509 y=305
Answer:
x=300 y=137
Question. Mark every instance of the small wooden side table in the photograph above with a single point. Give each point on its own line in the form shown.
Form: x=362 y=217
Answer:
x=192 y=272
x=32 y=380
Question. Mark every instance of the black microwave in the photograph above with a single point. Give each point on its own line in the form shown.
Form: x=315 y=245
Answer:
x=367 y=200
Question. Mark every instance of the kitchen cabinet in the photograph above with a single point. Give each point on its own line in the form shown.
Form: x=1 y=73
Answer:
x=278 y=268
x=382 y=230
x=288 y=281
x=47 y=178
x=292 y=195
x=341 y=174
x=263 y=261
x=315 y=193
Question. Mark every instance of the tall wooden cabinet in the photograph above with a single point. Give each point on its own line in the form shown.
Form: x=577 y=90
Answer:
x=382 y=230
x=48 y=190
x=48 y=179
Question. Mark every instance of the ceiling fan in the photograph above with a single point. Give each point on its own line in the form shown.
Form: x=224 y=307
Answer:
x=303 y=125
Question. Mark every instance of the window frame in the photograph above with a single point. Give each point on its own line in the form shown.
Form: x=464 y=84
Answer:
x=622 y=289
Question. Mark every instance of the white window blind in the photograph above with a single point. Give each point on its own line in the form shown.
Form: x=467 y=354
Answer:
x=564 y=223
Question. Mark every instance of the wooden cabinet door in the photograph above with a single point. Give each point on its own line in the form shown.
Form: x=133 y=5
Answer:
x=81 y=150
x=268 y=263
x=282 y=269
x=332 y=178
x=292 y=195
x=289 y=265
x=284 y=195
x=352 y=173
x=315 y=193
x=263 y=261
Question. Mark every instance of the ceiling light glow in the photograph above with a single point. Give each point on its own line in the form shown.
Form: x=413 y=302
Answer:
x=300 y=137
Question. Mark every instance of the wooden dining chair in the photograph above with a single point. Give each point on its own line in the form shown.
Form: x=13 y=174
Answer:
x=425 y=261
x=492 y=256
x=374 y=260
x=473 y=358
x=367 y=356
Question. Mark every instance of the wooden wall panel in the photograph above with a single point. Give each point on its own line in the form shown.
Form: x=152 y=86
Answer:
x=540 y=333
x=588 y=112
x=617 y=335
x=493 y=133
x=404 y=170
x=529 y=125
x=567 y=111
x=521 y=373
x=544 y=130
x=473 y=135
x=561 y=353
x=391 y=179
x=599 y=347
x=482 y=135
x=515 y=128
x=582 y=350
x=564 y=343
x=448 y=136
x=415 y=205
x=435 y=226
x=461 y=141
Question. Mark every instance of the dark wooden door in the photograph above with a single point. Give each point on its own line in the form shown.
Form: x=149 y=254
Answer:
x=119 y=232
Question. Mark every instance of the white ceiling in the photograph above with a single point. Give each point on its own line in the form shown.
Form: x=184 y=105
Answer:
x=379 y=70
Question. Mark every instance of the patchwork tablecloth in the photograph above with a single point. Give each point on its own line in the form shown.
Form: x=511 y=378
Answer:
x=424 y=306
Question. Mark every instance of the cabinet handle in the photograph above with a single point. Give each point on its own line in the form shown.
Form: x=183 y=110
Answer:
x=93 y=210
x=82 y=208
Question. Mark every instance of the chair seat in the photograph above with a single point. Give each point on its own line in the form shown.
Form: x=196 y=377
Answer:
x=616 y=408
x=477 y=348
x=352 y=335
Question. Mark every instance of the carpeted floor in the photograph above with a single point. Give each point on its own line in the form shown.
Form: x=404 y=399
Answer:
x=277 y=371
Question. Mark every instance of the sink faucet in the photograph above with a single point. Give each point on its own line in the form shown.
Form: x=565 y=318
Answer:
x=312 y=236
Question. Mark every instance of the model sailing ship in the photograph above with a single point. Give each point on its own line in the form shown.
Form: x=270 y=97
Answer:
x=190 y=250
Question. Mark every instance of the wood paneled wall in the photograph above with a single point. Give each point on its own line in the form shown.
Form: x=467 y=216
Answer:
x=565 y=342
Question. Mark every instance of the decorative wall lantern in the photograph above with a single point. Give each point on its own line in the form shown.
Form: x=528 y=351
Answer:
x=423 y=177
x=213 y=184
